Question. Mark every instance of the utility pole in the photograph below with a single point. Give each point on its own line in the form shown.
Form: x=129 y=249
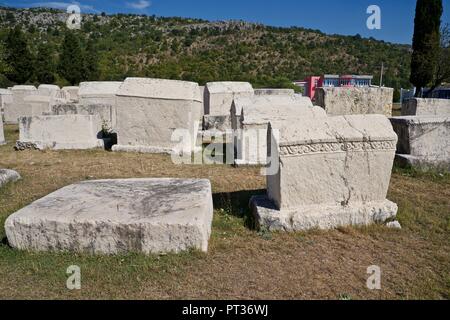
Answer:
x=381 y=74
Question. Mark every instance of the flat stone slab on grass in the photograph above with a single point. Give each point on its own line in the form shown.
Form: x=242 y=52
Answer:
x=7 y=176
x=117 y=216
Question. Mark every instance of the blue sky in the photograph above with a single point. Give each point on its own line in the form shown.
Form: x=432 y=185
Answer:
x=331 y=16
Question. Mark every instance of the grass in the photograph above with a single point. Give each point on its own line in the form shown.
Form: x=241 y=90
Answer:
x=242 y=263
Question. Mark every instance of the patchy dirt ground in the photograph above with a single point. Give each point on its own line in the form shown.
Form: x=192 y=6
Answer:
x=242 y=263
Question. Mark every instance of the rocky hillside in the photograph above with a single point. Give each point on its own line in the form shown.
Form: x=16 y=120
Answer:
x=192 y=49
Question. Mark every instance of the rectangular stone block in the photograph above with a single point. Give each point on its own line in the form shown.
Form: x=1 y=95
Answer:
x=59 y=132
x=355 y=100
x=329 y=172
x=251 y=117
x=426 y=107
x=18 y=107
x=2 y=134
x=147 y=216
x=423 y=141
x=149 y=111
x=219 y=96
x=106 y=113
x=5 y=97
x=98 y=92
x=72 y=92
x=48 y=90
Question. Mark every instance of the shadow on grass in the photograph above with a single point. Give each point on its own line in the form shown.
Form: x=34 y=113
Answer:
x=237 y=204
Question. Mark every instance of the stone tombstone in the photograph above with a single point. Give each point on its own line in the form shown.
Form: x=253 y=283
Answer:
x=98 y=92
x=59 y=132
x=5 y=97
x=355 y=100
x=2 y=134
x=149 y=216
x=251 y=117
x=72 y=91
x=106 y=113
x=219 y=96
x=426 y=107
x=18 y=107
x=48 y=90
x=423 y=141
x=274 y=92
x=328 y=172
x=150 y=110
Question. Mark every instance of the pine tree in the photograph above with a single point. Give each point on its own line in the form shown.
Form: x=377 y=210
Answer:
x=91 y=62
x=425 y=42
x=18 y=57
x=45 y=67
x=71 y=65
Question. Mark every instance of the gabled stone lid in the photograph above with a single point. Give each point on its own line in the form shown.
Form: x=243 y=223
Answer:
x=339 y=129
x=229 y=87
x=160 y=89
x=5 y=91
x=48 y=87
x=99 y=88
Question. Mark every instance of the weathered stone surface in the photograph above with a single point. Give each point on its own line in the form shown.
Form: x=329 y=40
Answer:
x=150 y=110
x=5 y=97
x=354 y=100
x=7 y=176
x=18 y=107
x=274 y=92
x=72 y=91
x=59 y=132
x=116 y=217
x=423 y=141
x=250 y=119
x=98 y=92
x=48 y=90
x=220 y=95
x=2 y=134
x=105 y=112
x=426 y=107
x=331 y=172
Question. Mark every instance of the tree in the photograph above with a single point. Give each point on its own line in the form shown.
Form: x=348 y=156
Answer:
x=91 y=62
x=44 y=67
x=18 y=57
x=71 y=65
x=425 y=42
x=442 y=72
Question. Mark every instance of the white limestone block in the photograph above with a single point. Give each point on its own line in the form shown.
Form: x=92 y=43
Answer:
x=106 y=113
x=355 y=100
x=98 y=92
x=18 y=107
x=59 y=132
x=150 y=110
x=251 y=117
x=330 y=172
x=7 y=176
x=5 y=97
x=147 y=216
x=426 y=107
x=220 y=95
x=2 y=134
x=424 y=141
x=48 y=90
x=72 y=91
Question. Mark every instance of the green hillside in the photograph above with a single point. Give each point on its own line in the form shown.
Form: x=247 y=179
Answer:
x=202 y=51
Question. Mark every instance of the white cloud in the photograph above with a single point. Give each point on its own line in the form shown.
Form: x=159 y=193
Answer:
x=139 y=5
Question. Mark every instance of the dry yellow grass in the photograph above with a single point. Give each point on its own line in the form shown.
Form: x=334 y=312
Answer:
x=242 y=263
